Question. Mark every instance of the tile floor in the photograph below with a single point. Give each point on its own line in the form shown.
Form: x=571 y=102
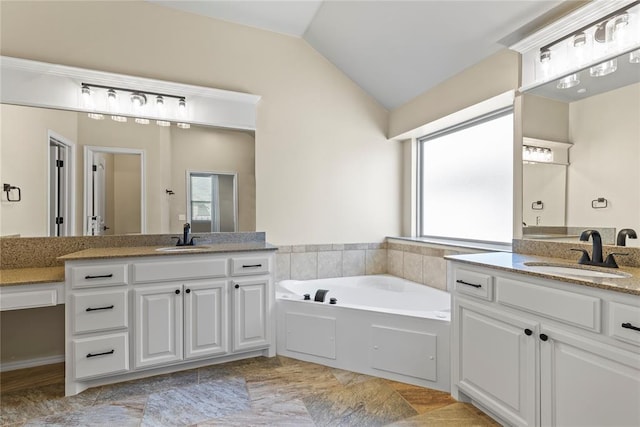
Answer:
x=255 y=392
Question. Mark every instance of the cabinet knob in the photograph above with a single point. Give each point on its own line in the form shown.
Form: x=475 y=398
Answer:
x=544 y=337
x=177 y=291
x=528 y=332
x=237 y=286
x=188 y=291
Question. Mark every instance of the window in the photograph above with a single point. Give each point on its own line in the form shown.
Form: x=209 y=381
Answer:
x=465 y=180
x=212 y=201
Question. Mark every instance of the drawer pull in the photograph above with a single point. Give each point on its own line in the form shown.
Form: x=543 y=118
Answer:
x=100 y=308
x=468 y=284
x=544 y=337
x=104 y=276
x=528 y=332
x=100 y=354
x=628 y=325
x=252 y=266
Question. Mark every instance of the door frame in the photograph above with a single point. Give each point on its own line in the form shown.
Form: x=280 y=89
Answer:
x=70 y=181
x=89 y=151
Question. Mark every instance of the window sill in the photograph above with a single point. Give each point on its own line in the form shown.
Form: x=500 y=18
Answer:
x=452 y=243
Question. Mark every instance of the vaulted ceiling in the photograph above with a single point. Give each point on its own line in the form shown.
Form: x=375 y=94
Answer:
x=395 y=50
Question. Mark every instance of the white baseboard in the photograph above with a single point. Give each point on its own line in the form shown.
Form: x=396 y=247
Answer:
x=30 y=363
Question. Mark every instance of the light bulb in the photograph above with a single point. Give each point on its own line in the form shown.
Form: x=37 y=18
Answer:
x=112 y=99
x=160 y=105
x=183 y=125
x=163 y=123
x=138 y=100
x=86 y=97
x=569 y=81
x=95 y=116
x=604 y=68
x=182 y=107
x=142 y=121
x=121 y=119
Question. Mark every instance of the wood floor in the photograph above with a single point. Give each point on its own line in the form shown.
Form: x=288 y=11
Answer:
x=22 y=379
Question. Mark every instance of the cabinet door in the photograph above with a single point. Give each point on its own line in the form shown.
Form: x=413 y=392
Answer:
x=587 y=383
x=495 y=361
x=250 y=317
x=158 y=325
x=205 y=316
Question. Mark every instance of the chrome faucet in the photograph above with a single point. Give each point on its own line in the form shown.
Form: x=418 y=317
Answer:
x=596 y=252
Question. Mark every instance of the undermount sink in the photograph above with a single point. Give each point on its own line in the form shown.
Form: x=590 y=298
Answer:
x=567 y=270
x=181 y=248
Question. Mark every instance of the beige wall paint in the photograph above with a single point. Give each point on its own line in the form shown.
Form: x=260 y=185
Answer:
x=495 y=75
x=24 y=163
x=201 y=150
x=325 y=171
x=127 y=193
x=605 y=156
x=545 y=118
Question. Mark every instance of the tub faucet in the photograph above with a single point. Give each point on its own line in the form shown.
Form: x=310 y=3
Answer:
x=623 y=234
x=320 y=294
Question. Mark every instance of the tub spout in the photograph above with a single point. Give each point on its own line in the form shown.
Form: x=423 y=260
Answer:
x=320 y=294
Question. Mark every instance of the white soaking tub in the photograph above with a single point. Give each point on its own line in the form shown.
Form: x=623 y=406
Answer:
x=380 y=325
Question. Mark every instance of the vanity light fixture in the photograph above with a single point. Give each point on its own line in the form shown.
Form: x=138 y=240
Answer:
x=537 y=154
x=569 y=81
x=614 y=33
x=164 y=110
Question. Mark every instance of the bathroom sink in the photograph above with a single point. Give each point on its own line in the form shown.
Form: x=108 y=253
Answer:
x=568 y=270
x=182 y=248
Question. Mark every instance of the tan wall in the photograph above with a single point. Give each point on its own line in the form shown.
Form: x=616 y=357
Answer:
x=545 y=118
x=209 y=151
x=495 y=75
x=24 y=163
x=604 y=160
x=325 y=171
x=126 y=183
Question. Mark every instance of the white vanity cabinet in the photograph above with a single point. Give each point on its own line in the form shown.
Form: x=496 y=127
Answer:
x=141 y=316
x=538 y=352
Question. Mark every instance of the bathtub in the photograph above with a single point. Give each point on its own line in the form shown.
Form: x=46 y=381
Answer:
x=380 y=325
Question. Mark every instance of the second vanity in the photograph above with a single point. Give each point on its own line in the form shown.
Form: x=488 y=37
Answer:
x=535 y=349
x=133 y=312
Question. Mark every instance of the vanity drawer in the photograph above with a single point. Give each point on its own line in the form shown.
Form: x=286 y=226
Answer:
x=468 y=282
x=575 y=309
x=624 y=322
x=107 y=354
x=90 y=276
x=243 y=266
x=99 y=311
x=183 y=269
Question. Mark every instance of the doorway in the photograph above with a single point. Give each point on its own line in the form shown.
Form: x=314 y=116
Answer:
x=61 y=216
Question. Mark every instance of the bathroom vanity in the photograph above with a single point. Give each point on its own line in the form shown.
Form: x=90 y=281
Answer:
x=538 y=349
x=136 y=312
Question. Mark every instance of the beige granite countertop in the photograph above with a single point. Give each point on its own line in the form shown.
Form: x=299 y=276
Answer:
x=26 y=276
x=513 y=262
x=139 y=251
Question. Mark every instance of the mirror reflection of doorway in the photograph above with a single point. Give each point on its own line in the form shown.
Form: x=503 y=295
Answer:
x=212 y=202
x=61 y=188
x=114 y=191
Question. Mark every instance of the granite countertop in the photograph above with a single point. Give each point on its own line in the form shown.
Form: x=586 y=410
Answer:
x=140 y=251
x=515 y=263
x=23 y=276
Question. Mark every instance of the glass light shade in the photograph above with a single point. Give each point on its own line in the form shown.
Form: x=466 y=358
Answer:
x=86 y=97
x=182 y=107
x=545 y=55
x=579 y=39
x=604 y=68
x=634 y=57
x=138 y=100
x=112 y=99
x=142 y=121
x=163 y=123
x=121 y=119
x=160 y=105
x=569 y=81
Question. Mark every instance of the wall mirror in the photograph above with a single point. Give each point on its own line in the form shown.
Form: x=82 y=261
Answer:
x=146 y=191
x=599 y=117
